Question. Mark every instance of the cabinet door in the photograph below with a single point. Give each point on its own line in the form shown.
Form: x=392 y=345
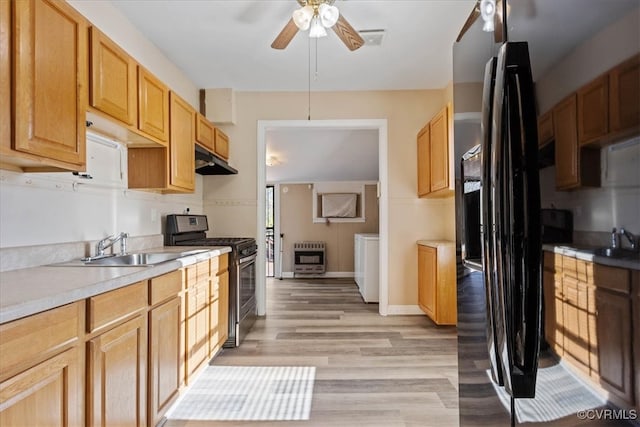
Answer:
x=5 y=74
x=439 y=152
x=614 y=343
x=204 y=133
x=424 y=160
x=223 y=312
x=550 y=320
x=197 y=326
x=593 y=110
x=545 y=128
x=624 y=92
x=181 y=144
x=564 y=129
x=116 y=376
x=50 y=57
x=427 y=280
x=153 y=106
x=222 y=144
x=48 y=394
x=113 y=80
x=576 y=322
x=164 y=357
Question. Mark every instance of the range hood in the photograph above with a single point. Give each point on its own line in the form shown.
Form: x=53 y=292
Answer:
x=208 y=164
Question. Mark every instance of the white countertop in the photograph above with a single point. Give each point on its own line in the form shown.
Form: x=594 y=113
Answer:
x=31 y=290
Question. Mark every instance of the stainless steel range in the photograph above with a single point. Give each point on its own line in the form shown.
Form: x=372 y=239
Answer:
x=190 y=230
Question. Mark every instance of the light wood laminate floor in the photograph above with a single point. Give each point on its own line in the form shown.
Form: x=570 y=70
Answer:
x=370 y=370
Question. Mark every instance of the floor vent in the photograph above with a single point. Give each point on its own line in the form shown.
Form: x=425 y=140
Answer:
x=309 y=258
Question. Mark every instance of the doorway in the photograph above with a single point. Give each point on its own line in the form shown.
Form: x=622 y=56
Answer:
x=382 y=192
x=269 y=235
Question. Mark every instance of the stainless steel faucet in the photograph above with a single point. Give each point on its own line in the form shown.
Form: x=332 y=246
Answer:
x=107 y=242
x=615 y=239
x=633 y=240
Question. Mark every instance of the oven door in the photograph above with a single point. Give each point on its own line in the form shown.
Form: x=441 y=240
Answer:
x=246 y=301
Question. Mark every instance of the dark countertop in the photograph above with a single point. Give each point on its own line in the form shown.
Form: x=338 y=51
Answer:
x=587 y=254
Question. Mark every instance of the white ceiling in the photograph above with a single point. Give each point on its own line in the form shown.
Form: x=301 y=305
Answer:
x=226 y=43
x=322 y=154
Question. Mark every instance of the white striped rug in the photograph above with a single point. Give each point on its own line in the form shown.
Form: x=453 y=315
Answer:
x=559 y=393
x=247 y=393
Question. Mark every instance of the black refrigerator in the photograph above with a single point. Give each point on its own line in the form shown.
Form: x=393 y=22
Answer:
x=507 y=376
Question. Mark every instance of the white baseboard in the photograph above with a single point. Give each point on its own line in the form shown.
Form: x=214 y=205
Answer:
x=328 y=275
x=404 y=310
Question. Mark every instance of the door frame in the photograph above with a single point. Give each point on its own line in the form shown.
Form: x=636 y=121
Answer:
x=383 y=197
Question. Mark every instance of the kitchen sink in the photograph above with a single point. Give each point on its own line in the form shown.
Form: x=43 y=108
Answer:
x=130 y=260
x=617 y=253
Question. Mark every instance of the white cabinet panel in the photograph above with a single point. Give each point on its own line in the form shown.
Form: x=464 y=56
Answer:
x=366 y=265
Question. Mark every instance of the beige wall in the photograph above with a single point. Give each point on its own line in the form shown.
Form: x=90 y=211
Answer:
x=297 y=224
x=231 y=201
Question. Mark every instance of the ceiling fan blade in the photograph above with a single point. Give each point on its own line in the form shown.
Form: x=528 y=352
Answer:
x=285 y=36
x=470 y=20
x=347 y=34
x=498 y=31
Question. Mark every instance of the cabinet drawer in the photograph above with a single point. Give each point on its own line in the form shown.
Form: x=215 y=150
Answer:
x=615 y=279
x=164 y=287
x=203 y=270
x=33 y=337
x=111 y=307
x=569 y=267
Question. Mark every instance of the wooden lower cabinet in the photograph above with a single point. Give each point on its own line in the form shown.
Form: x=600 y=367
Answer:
x=117 y=376
x=164 y=357
x=42 y=369
x=614 y=343
x=437 y=282
x=48 y=394
x=589 y=322
x=115 y=359
x=197 y=326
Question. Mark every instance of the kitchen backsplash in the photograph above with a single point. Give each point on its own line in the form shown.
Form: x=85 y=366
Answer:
x=597 y=210
x=44 y=209
x=33 y=256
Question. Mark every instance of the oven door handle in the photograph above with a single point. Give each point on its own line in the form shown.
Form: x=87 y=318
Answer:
x=250 y=258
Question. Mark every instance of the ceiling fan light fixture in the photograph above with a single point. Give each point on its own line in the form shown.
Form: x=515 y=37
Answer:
x=488 y=11
x=328 y=15
x=303 y=17
x=317 y=30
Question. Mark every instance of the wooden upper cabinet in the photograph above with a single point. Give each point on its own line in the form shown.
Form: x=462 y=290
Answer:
x=624 y=97
x=566 y=149
x=545 y=128
x=153 y=106
x=205 y=135
x=434 y=173
x=439 y=151
x=222 y=144
x=575 y=166
x=424 y=165
x=593 y=111
x=50 y=75
x=5 y=74
x=113 y=84
x=181 y=145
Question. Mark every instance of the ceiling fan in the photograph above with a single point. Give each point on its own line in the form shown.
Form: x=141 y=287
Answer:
x=485 y=7
x=316 y=16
